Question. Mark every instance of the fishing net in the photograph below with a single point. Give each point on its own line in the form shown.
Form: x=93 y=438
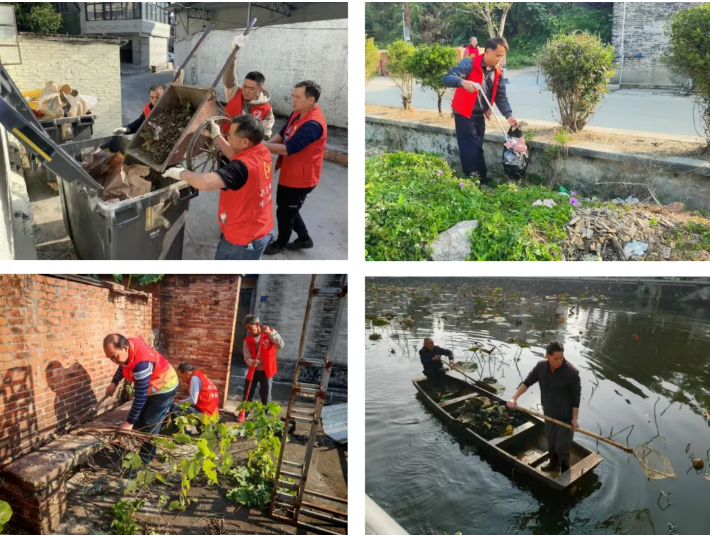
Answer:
x=653 y=463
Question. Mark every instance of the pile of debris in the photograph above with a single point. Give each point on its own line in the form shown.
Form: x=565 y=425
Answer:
x=120 y=181
x=161 y=133
x=487 y=419
x=57 y=100
x=631 y=232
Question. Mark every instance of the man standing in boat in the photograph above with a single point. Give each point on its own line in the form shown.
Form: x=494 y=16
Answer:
x=560 y=392
x=430 y=356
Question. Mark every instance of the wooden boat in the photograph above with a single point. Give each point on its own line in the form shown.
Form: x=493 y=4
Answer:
x=525 y=448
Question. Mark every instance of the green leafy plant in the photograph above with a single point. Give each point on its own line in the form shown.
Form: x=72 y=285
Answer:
x=124 y=521
x=428 y=64
x=372 y=58
x=37 y=17
x=577 y=68
x=142 y=280
x=5 y=514
x=688 y=54
x=398 y=54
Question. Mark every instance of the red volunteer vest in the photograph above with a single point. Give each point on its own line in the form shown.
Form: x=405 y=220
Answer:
x=139 y=351
x=266 y=354
x=236 y=104
x=246 y=214
x=302 y=169
x=208 y=401
x=146 y=109
x=464 y=101
x=470 y=51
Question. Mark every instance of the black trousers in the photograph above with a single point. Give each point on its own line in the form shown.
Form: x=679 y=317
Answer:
x=469 y=135
x=263 y=383
x=437 y=376
x=559 y=442
x=288 y=207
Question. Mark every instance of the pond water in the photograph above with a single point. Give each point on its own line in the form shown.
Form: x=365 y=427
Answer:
x=632 y=353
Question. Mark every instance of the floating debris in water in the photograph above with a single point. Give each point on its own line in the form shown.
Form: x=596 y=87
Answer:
x=379 y=322
x=488 y=420
x=375 y=336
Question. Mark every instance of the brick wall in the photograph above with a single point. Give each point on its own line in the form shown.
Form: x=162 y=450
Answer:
x=197 y=314
x=643 y=37
x=90 y=66
x=52 y=365
x=283 y=309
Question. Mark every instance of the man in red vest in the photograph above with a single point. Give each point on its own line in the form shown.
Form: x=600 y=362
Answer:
x=155 y=384
x=245 y=213
x=203 y=398
x=260 y=347
x=300 y=147
x=470 y=108
x=471 y=48
x=250 y=97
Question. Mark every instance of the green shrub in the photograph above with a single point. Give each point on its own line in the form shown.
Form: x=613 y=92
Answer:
x=428 y=65
x=412 y=198
x=688 y=53
x=5 y=514
x=372 y=58
x=577 y=69
x=37 y=17
x=398 y=54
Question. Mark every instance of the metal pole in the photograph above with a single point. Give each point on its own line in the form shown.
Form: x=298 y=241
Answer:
x=623 y=34
x=248 y=12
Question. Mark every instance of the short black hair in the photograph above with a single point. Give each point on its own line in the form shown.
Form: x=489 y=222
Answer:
x=250 y=319
x=116 y=340
x=555 y=347
x=186 y=367
x=257 y=77
x=312 y=89
x=250 y=127
x=495 y=42
x=155 y=87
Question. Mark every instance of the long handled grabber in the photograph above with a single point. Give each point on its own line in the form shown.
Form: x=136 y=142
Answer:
x=242 y=413
x=653 y=463
x=91 y=411
x=483 y=93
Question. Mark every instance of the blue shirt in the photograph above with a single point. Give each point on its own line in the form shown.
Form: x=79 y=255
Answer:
x=460 y=72
x=307 y=133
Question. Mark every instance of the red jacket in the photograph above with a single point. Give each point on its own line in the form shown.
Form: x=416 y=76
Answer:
x=140 y=351
x=208 y=401
x=464 y=101
x=246 y=214
x=266 y=354
x=147 y=109
x=235 y=106
x=302 y=169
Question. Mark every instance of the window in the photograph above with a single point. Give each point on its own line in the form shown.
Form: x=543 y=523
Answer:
x=113 y=10
x=61 y=7
x=155 y=11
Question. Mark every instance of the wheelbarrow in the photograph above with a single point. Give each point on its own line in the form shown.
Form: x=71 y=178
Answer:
x=192 y=147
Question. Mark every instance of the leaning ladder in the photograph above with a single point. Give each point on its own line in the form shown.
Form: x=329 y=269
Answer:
x=289 y=506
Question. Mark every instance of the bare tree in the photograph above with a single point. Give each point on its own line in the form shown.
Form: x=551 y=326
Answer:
x=492 y=13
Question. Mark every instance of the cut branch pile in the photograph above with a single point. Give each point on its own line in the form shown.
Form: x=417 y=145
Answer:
x=162 y=132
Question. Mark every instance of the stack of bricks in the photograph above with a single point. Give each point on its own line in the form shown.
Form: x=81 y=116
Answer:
x=197 y=319
x=52 y=367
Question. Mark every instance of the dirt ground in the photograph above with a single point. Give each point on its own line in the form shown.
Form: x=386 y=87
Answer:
x=546 y=132
x=95 y=487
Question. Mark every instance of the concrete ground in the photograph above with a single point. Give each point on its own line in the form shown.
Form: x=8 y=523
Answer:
x=629 y=109
x=325 y=211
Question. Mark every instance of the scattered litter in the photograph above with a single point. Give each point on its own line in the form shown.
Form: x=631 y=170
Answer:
x=635 y=248
x=628 y=200
x=489 y=421
x=549 y=203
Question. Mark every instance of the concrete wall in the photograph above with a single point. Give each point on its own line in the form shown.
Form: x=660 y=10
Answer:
x=281 y=304
x=51 y=359
x=236 y=17
x=158 y=51
x=91 y=66
x=643 y=36
x=315 y=51
x=125 y=27
x=672 y=178
x=7 y=250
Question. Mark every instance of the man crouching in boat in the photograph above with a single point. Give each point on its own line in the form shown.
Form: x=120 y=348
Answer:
x=430 y=355
x=560 y=390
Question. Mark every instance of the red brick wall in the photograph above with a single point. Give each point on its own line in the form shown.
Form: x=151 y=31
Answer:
x=52 y=365
x=197 y=319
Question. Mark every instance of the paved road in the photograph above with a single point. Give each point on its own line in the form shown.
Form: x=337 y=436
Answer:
x=631 y=109
x=135 y=92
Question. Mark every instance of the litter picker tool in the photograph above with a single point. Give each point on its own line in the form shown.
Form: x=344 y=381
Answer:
x=91 y=410
x=482 y=92
x=653 y=463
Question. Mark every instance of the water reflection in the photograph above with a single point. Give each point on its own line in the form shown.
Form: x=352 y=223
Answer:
x=634 y=350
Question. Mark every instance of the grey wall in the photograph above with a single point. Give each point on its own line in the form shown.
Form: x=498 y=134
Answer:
x=6 y=241
x=286 y=55
x=644 y=36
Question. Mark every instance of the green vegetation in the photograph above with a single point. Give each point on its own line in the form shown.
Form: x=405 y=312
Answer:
x=577 y=68
x=37 y=17
x=124 y=516
x=398 y=54
x=412 y=198
x=372 y=58
x=693 y=240
x=428 y=64
x=5 y=514
x=688 y=54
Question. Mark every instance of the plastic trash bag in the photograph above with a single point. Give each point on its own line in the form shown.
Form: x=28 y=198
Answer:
x=50 y=103
x=515 y=155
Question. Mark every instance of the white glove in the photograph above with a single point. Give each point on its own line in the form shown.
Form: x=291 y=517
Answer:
x=215 y=130
x=174 y=173
x=119 y=131
x=240 y=41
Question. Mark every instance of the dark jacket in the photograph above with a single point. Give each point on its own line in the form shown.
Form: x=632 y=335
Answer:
x=559 y=391
x=427 y=357
x=459 y=73
x=135 y=125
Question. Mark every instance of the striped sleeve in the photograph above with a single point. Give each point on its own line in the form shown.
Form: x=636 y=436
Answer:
x=276 y=339
x=117 y=376
x=141 y=379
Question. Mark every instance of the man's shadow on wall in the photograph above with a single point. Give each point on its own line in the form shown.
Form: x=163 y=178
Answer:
x=73 y=393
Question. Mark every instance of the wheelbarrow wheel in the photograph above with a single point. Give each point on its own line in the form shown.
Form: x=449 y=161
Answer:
x=203 y=154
